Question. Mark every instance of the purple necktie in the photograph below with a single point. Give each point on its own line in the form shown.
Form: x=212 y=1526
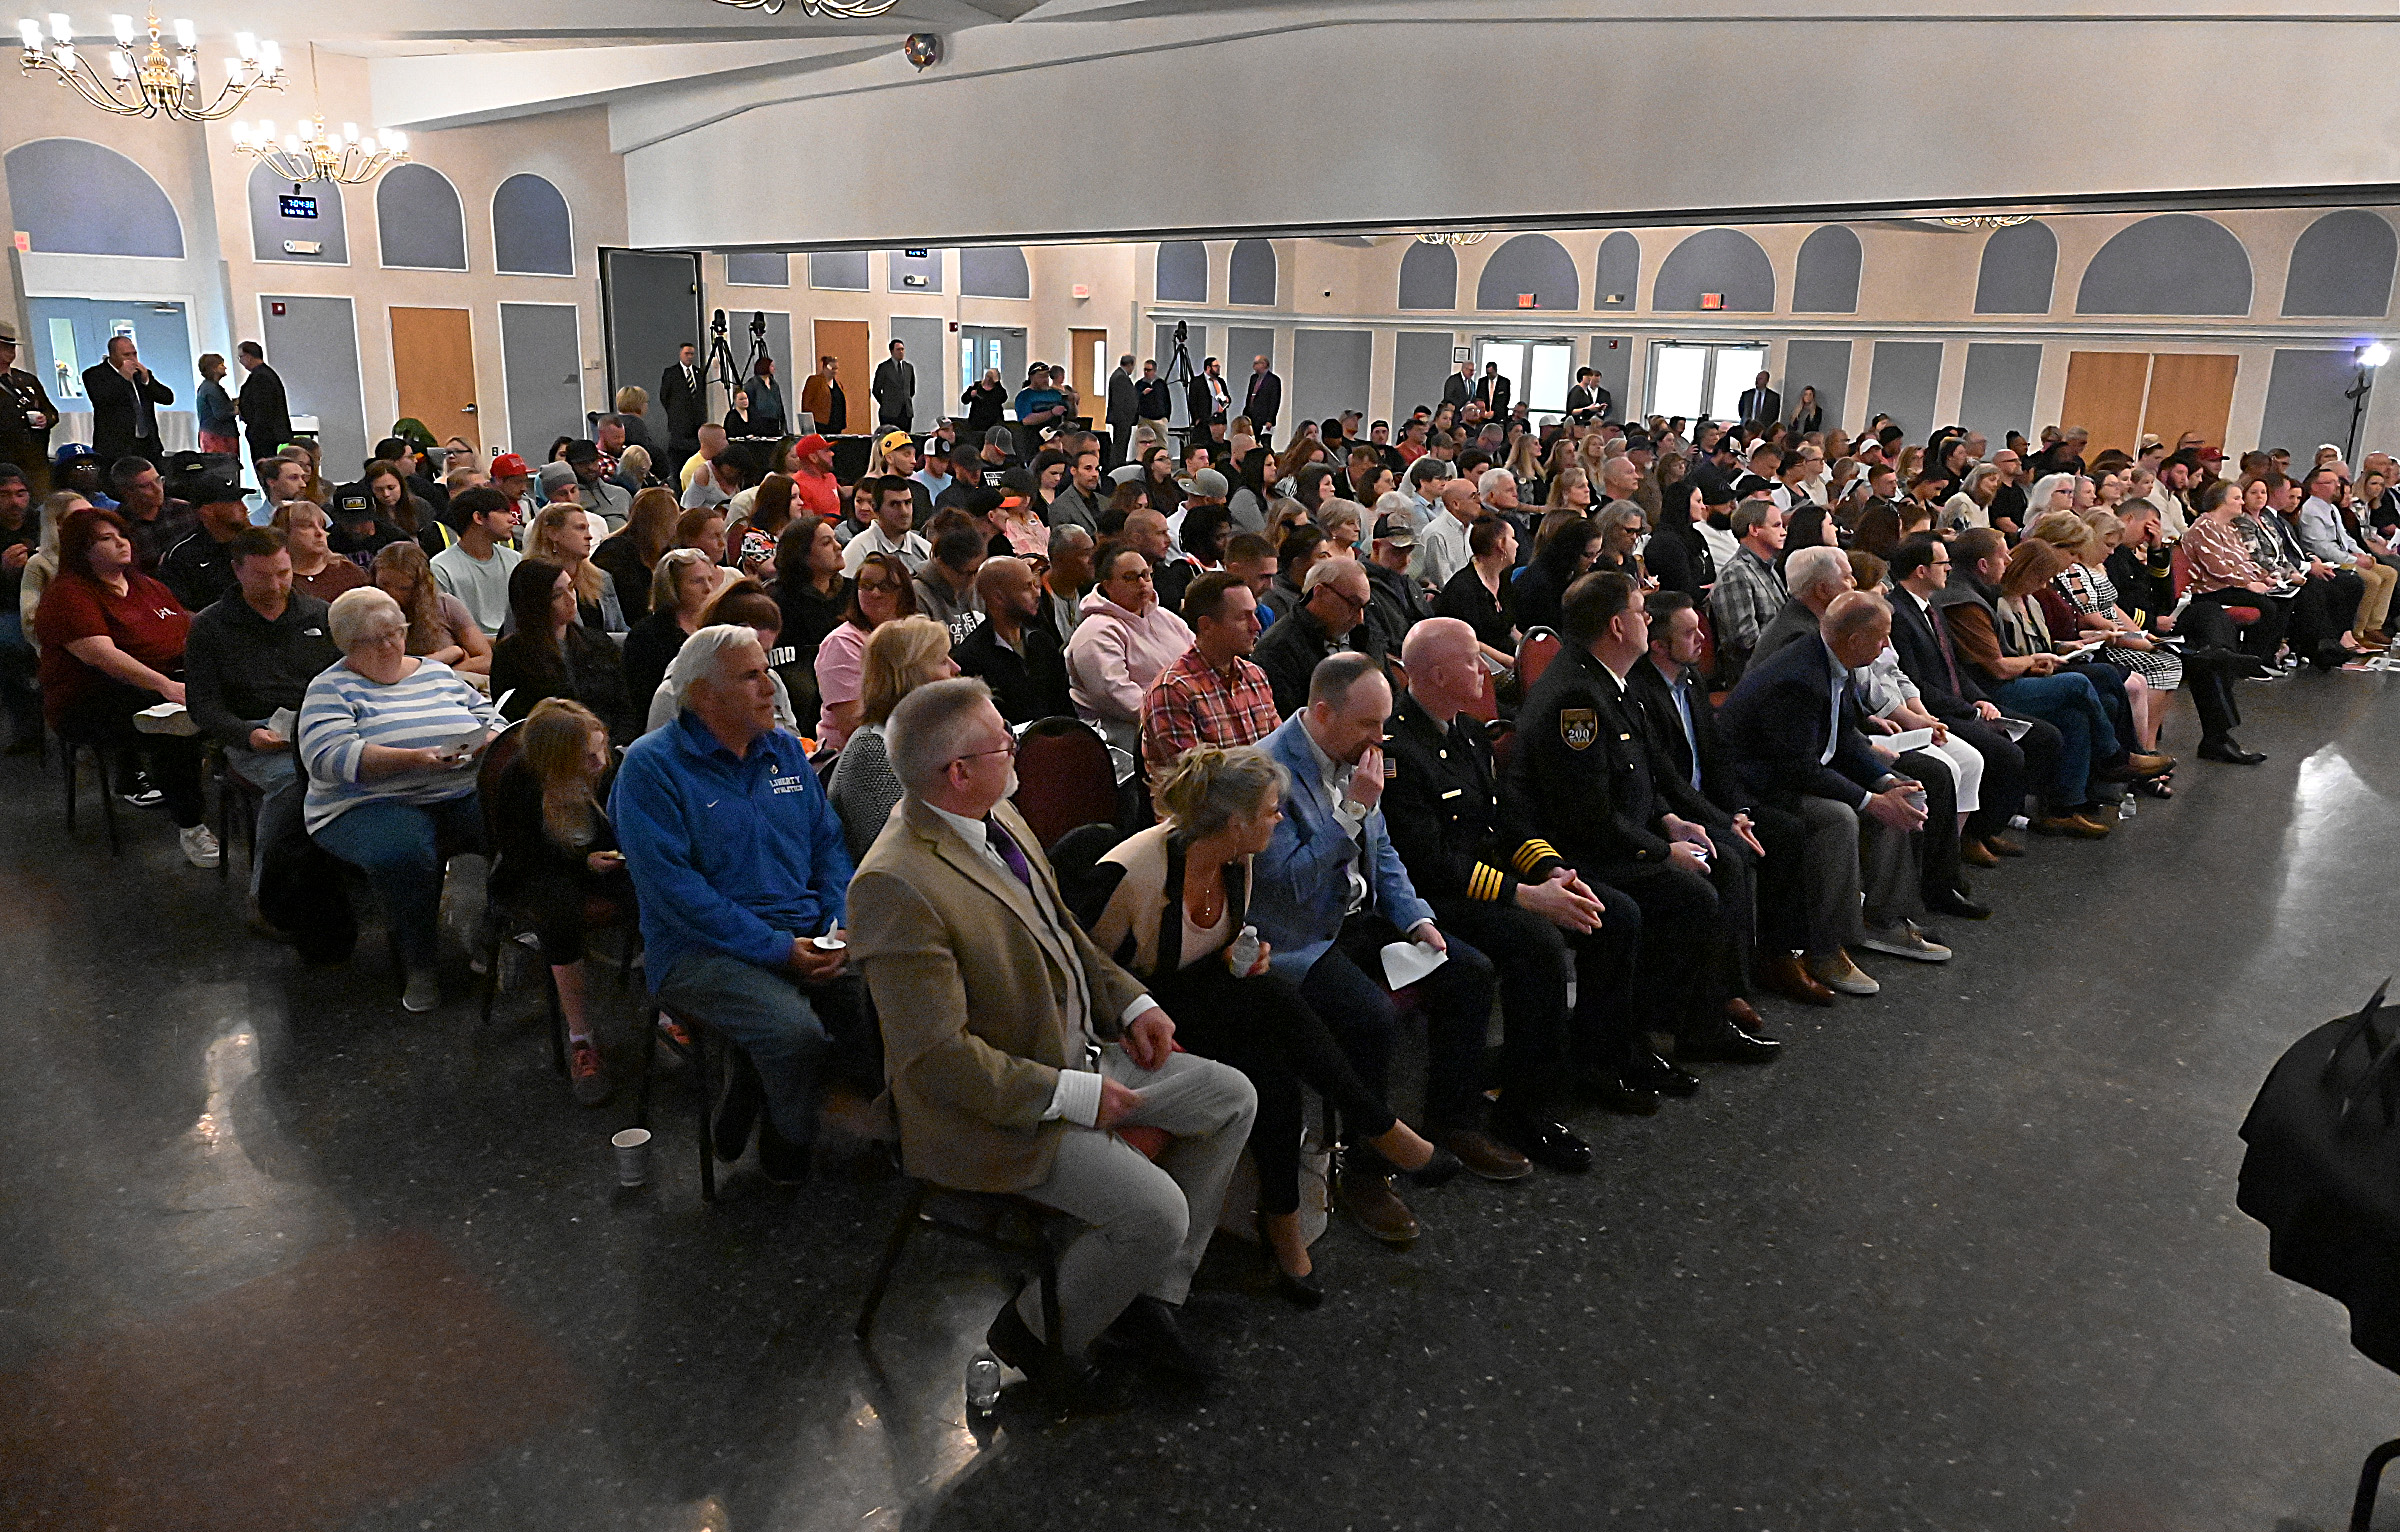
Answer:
x=1006 y=845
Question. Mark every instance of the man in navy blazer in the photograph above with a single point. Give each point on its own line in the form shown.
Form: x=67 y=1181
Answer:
x=1329 y=893
x=1798 y=739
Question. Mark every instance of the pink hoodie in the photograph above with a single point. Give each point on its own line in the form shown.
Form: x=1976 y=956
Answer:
x=1112 y=659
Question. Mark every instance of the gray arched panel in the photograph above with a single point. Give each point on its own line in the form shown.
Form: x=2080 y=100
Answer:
x=72 y=197
x=419 y=221
x=994 y=271
x=284 y=224
x=1529 y=263
x=2019 y=268
x=1428 y=277
x=1722 y=261
x=1251 y=282
x=1182 y=271
x=2174 y=263
x=533 y=234
x=767 y=268
x=1618 y=281
x=839 y=271
x=2342 y=265
x=1826 y=279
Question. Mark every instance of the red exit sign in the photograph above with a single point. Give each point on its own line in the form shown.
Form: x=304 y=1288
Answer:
x=1526 y=301
x=1712 y=300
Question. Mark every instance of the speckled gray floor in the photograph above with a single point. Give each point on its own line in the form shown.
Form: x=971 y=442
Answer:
x=279 y=1254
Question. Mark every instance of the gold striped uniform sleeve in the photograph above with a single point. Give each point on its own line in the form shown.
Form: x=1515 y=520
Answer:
x=1532 y=854
x=1485 y=882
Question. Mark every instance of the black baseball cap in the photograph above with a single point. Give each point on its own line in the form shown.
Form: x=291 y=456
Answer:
x=354 y=505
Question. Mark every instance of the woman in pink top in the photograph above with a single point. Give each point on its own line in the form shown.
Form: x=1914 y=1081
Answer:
x=883 y=591
x=1126 y=638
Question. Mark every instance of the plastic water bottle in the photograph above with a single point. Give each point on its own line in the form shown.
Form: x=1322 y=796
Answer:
x=1241 y=955
x=983 y=1383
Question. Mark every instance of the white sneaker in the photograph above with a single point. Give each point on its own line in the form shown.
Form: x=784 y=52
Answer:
x=200 y=847
x=1906 y=941
x=424 y=990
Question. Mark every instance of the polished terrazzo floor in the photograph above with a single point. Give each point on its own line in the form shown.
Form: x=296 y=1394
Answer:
x=276 y=1254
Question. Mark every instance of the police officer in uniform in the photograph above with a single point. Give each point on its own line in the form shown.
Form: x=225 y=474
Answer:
x=1504 y=889
x=26 y=417
x=1591 y=782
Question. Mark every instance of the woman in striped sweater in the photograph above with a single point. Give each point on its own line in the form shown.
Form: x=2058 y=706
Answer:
x=389 y=741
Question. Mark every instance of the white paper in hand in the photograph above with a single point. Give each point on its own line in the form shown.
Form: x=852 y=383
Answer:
x=2014 y=728
x=1404 y=963
x=1907 y=740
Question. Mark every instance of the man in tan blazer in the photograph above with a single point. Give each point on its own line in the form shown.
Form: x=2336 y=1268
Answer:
x=1013 y=1046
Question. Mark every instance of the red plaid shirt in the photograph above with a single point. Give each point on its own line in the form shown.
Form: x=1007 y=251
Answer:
x=1192 y=704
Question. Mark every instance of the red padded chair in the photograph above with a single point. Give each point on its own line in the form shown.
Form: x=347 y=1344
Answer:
x=1065 y=778
x=1534 y=655
x=2180 y=573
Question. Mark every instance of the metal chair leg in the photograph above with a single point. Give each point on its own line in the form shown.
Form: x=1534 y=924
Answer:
x=224 y=823
x=707 y=1060
x=66 y=759
x=910 y=1211
x=558 y=1021
x=108 y=801
x=1046 y=1272
x=651 y=1043
x=2370 y=1477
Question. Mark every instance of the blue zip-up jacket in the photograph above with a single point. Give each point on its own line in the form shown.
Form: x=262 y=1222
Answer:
x=728 y=855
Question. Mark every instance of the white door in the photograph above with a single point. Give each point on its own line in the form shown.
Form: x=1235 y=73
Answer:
x=1696 y=380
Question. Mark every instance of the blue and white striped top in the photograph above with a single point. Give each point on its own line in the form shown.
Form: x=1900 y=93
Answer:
x=344 y=712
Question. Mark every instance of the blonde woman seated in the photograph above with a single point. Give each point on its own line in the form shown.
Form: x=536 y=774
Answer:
x=901 y=656
x=2091 y=596
x=1170 y=904
x=316 y=568
x=562 y=535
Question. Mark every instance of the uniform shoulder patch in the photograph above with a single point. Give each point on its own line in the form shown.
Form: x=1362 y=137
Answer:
x=1578 y=727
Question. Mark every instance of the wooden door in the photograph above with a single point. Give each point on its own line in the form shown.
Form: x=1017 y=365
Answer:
x=847 y=342
x=1087 y=364
x=433 y=371
x=2104 y=396
x=2190 y=393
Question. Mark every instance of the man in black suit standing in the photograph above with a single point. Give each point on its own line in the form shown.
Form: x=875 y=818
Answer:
x=683 y=394
x=266 y=412
x=1459 y=387
x=1263 y=401
x=1492 y=392
x=1759 y=404
x=1154 y=401
x=1209 y=399
x=125 y=400
x=895 y=390
x=1124 y=407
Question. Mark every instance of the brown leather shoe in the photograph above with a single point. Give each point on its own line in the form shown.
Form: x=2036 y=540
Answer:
x=1743 y=1014
x=1486 y=1156
x=1975 y=853
x=2150 y=763
x=1378 y=1209
x=1781 y=973
x=2096 y=823
x=2001 y=845
x=2069 y=824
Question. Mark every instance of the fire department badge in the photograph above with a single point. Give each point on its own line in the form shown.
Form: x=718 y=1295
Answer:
x=1578 y=727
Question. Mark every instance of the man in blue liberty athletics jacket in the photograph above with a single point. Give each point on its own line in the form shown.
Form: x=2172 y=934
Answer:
x=739 y=861
x=1329 y=893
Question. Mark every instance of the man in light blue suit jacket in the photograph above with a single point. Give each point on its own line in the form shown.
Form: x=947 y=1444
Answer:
x=1329 y=892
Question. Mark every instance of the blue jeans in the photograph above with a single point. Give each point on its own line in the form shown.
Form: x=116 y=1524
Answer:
x=400 y=847
x=17 y=665
x=766 y=1014
x=282 y=796
x=2067 y=702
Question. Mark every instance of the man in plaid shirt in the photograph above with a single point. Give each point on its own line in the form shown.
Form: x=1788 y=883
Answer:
x=1213 y=695
x=1748 y=592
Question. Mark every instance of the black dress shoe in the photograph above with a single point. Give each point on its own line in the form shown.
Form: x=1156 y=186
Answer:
x=1442 y=1169
x=779 y=1159
x=1148 y=1334
x=1647 y=1071
x=1299 y=1292
x=2230 y=753
x=1617 y=1095
x=1544 y=1142
x=1952 y=902
x=1064 y=1383
x=1728 y=1044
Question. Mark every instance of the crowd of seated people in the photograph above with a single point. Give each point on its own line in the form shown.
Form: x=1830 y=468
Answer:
x=1611 y=732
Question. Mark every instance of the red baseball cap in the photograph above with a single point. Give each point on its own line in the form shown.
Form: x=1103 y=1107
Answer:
x=2211 y=455
x=811 y=443
x=510 y=466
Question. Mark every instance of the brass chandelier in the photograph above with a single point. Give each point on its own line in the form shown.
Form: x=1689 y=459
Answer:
x=1985 y=221
x=847 y=9
x=152 y=83
x=314 y=152
x=1454 y=237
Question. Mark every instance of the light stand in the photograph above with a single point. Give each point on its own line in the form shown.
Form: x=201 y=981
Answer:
x=2370 y=357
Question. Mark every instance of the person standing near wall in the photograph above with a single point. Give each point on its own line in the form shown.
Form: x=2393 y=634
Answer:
x=26 y=416
x=895 y=390
x=683 y=394
x=266 y=412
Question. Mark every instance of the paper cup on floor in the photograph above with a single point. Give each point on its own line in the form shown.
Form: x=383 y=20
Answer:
x=633 y=1156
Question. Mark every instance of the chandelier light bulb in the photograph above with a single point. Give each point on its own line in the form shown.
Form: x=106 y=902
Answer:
x=246 y=45
x=2375 y=355
x=270 y=56
x=31 y=31
x=122 y=26
x=60 y=32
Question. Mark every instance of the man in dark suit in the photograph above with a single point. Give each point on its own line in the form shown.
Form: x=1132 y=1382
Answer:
x=1590 y=780
x=1587 y=401
x=1263 y=401
x=1673 y=697
x=1153 y=401
x=1492 y=392
x=125 y=399
x=895 y=390
x=1124 y=408
x=1798 y=738
x=683 y=394
x=1760 y=405
x=1459 y=387
x=266 y=413
x=26 y=417
x=1209 y=399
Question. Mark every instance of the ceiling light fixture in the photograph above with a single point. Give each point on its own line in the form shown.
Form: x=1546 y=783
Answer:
x=153 y=83
x=313 y=152
x=1986 y=221
x=845 y=9
x=1470 y=237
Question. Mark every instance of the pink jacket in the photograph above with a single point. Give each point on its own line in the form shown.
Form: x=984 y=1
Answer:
x=1112 y=659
